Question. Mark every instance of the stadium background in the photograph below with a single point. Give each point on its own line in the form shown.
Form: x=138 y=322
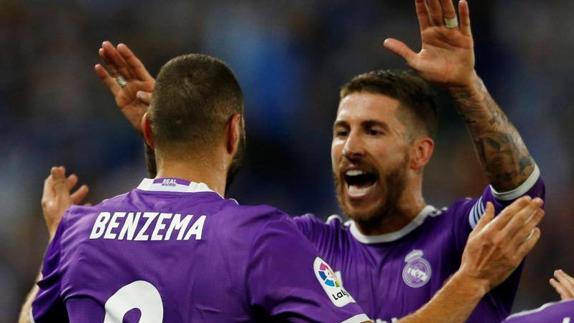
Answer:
x=291 y=57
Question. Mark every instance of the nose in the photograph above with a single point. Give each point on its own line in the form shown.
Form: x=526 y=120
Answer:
x=353 y=147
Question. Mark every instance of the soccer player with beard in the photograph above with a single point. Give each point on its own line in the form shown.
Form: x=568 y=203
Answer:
x=396 y=245
x=383 y=137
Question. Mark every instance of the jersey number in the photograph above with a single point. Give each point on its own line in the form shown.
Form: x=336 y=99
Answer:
x=139 y=294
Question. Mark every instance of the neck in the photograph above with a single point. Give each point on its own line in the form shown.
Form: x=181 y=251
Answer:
x=395 y=217
x=211 y=173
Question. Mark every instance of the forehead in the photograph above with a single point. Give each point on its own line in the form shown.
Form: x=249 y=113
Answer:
x=362 y=106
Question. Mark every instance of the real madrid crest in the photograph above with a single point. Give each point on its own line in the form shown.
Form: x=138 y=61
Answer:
x=417 y=271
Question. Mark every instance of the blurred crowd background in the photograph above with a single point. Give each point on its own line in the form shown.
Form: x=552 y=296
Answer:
x=291 y=57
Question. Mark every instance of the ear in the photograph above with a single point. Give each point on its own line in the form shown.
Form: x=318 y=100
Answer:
x=233 y=133
x=146 y=129
x=422 y=150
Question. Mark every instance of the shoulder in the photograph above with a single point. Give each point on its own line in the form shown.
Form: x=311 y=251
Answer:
x=249 y=220
x=314 y=227
x=555 y=310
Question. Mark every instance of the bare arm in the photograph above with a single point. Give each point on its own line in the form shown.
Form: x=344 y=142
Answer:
x=493 y=251
x=447 y=58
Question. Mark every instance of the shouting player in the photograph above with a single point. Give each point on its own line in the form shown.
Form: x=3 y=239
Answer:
x=175 y=250
x=383 y=138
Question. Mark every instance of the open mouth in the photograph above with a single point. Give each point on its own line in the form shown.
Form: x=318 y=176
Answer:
x=359 y=182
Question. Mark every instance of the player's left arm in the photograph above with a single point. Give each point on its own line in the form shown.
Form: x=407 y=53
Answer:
x=57 y=197
x=447 y=58
x=26 y=310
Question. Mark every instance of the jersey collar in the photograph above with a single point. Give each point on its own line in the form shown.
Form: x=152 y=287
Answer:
x=173 y=185
x=392 y=236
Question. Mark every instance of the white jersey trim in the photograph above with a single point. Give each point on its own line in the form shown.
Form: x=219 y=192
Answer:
x=539 y=309
x=520 y=190
x=476 y=213
x=357 y=319
x=396 y=235
x=334 y=217
x=147 y=184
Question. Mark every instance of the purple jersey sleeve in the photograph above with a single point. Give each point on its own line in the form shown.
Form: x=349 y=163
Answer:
x=560 y=312
x=49 y=305
x=287 y=279
x=466 y=214
x=533 y=187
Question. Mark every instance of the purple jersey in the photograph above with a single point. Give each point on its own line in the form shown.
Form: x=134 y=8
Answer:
x=559 y=312
x=394 y=274
x=174 y=251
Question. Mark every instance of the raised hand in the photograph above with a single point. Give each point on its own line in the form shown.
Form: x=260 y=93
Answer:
x=57 y=197
x=127 y=79
x=497 y=246
x=563 y=284
x=447 y=53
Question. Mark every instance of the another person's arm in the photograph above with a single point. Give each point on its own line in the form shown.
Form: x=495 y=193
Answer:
x=563 y=284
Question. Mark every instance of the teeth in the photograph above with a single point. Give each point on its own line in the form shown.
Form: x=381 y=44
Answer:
x=354 y=172
x=355 y=191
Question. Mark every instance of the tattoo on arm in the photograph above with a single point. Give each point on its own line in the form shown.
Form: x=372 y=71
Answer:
x=500 y=148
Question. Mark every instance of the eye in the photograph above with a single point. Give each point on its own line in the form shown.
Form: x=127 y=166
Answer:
x=375 y=132
x=340 y=132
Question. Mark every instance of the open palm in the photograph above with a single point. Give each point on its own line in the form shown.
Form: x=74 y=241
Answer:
x=121 y=62
x=447 y=54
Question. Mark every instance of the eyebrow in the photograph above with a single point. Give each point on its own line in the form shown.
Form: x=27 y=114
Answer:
x=365 y=124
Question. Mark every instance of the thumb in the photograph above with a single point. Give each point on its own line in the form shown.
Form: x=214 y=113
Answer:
x=486 y=217
x=399 y=48
x=145 y=97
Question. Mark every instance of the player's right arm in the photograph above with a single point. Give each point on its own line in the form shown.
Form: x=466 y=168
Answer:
x=495 y=248
x=127 y=79
x=131 y=84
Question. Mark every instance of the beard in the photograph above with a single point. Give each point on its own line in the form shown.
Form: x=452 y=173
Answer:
x=236 y=164
x=393 y=184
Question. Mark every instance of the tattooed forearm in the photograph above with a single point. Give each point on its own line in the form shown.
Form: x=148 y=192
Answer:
x=500 y=148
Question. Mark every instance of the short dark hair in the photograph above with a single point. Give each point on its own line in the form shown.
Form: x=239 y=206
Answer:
x=194 y=97
x=413 y=93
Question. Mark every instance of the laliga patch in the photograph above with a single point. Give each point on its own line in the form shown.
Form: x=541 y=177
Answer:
x=417 y=271
x=331 y=283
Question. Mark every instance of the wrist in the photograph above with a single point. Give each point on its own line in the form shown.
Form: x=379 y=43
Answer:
x=472 y=84
x=477 y=287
